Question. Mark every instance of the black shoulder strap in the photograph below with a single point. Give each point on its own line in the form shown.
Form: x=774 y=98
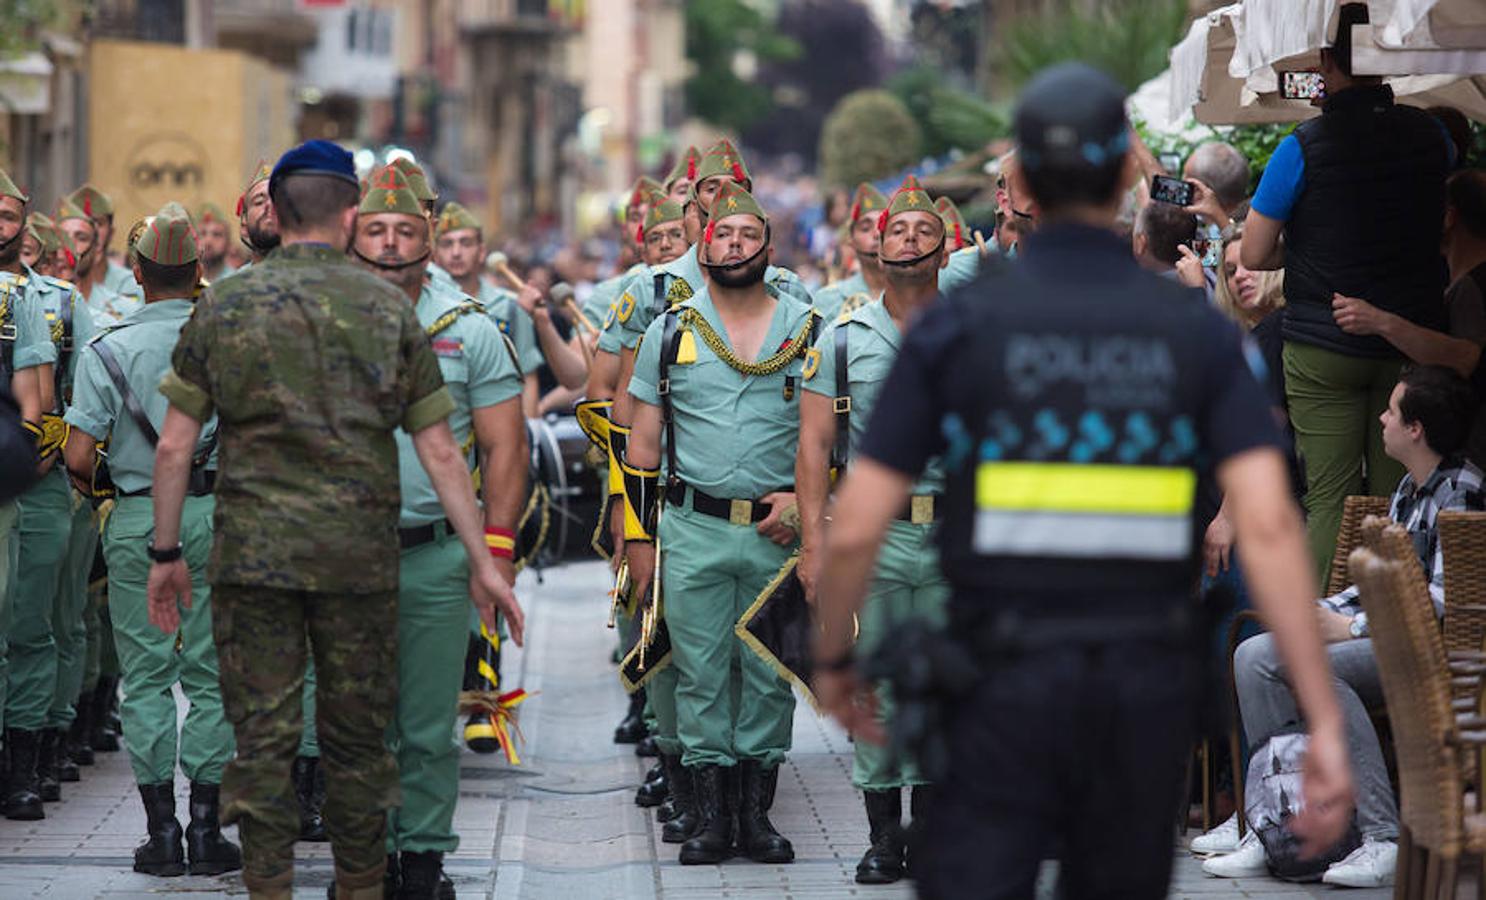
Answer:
x=670 y=347
x=658 y=301
x=131 y=402
x=7 y=330
x=842 y=404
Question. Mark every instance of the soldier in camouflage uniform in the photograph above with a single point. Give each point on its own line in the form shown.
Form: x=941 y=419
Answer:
x=310 y=365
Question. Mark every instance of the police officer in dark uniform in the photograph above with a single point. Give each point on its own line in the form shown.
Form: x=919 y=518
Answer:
x=1072 y=398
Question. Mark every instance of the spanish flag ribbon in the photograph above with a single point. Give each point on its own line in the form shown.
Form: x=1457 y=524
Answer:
x=502 y=718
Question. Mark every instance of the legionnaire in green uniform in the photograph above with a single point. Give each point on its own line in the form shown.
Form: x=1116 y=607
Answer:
x=392 y=238
x=843 y=374
x=631 y=249
x=28 y=358
x=310 y=365
x=212 y=234
x=867 y=281
x=116 y=399
x=725 y=366
x=460 y=250
x=100 y=208
x=256 y=226
x=44 y=642
x=678 y=184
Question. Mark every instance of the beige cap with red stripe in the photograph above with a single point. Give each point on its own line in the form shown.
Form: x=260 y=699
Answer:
x=168 y=238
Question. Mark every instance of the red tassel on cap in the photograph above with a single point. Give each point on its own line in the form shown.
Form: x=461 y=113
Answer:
x=241 y=204
x=691 y=168
x=707 y=235
x=959 y=241
x=88 y=206
x=640 y=234
x=856 y=210
x=71 y=260
x=882 y=221
x=738 y=175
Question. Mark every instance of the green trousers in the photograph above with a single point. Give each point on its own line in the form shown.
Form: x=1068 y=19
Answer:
x=660 y=709
x=69 y=628
x=730 y=705
x=1334 y=402
x=906 y=585
x=154 y=662
x=10 y=547
x=432 y=626
x=46 y=529
x=263 y=638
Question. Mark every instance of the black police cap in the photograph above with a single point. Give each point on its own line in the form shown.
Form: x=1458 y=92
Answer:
x=1071 y=116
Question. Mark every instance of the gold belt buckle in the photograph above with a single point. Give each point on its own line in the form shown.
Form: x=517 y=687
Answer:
x=740 y=512
x=921 y=509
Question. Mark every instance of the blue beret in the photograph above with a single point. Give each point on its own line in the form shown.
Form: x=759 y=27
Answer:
x=315 y=158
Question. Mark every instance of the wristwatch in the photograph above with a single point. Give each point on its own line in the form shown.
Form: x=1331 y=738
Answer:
x=169 y=554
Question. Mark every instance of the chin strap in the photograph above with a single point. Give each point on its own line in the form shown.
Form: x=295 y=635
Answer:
x=391 y=267
x=733 y=267
x=908 y=263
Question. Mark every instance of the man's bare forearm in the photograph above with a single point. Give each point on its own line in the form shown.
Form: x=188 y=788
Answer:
x=25 y=385
x=178 y=437
x=504 y=452
x=446 y=470
x=1428 y=347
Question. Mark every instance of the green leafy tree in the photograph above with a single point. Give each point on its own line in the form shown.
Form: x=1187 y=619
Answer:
x=25 y=19
x=1129 y=39
x=869 y=135
x=951 y=118
x=720 y=33
x=1256 y=142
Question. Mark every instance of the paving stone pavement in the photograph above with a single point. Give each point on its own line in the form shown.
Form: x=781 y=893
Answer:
x=561 y=825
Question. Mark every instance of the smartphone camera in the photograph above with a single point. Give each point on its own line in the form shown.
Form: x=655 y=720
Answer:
x=1175 y=191
x=1302 y=86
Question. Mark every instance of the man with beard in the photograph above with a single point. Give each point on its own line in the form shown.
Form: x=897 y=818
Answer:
x=256 y=226
x=718 y=373
x=843 y=373
x=864 y=238
x=28 y=358
x=311 y=365
x=392 y=240
x=100 y=208
x=460 y=252
x=212 y=236
x=46 y=633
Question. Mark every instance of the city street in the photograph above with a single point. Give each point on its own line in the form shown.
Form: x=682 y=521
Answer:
x=563 y=824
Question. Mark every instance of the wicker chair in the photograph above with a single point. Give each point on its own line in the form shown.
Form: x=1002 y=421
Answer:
x=1355 y=509
x=1432 y=743
x=1463 y=539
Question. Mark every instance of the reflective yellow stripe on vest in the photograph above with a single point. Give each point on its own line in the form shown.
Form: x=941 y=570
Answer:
x=1083 y=511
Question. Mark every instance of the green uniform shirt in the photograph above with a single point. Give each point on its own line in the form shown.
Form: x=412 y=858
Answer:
x=21 y=307
x=828 y=299
x=606 y=293
x=110 y=307
x=478 y=371
x=55 y=296
x=872 y=345
x=963 y=266
x=515 y=323
x=735 y=434
x=142 y=344
x=311 y=364
x=120 y=280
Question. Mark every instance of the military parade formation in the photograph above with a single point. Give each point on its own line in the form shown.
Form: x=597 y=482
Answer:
x=296 y=494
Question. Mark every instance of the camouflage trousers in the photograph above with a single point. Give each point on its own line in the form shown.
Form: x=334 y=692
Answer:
x=263 y=636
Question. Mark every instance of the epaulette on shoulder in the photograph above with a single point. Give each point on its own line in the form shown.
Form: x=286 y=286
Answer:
x=60 y=283
x=853 y=303
x=107 y=330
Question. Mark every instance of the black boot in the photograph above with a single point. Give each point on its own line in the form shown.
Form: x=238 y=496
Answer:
x=683 y=822
x=79 y=735
x=631 y=728
x=67 y=770
x=423 y=877
x=48 y=785
x=647 y=747
x=756 y=835
x=655 y=790
x=162 y=853
x=105 y=736
x=22 y=797
x=309 y=788
x=883 y=861
x=920 y=800
x=713 y=841
x=210 y=853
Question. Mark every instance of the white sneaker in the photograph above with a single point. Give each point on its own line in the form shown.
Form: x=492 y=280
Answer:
x=1245 y=862
x=1223 y=839
x=1371 y=865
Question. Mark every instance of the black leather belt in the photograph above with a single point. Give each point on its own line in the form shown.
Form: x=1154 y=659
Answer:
x=738 y=512
x=922 y=509
x=418 y=535
x=207 y=484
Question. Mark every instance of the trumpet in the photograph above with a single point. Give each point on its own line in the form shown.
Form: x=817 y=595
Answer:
x=616 y=595
x=650 y=620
